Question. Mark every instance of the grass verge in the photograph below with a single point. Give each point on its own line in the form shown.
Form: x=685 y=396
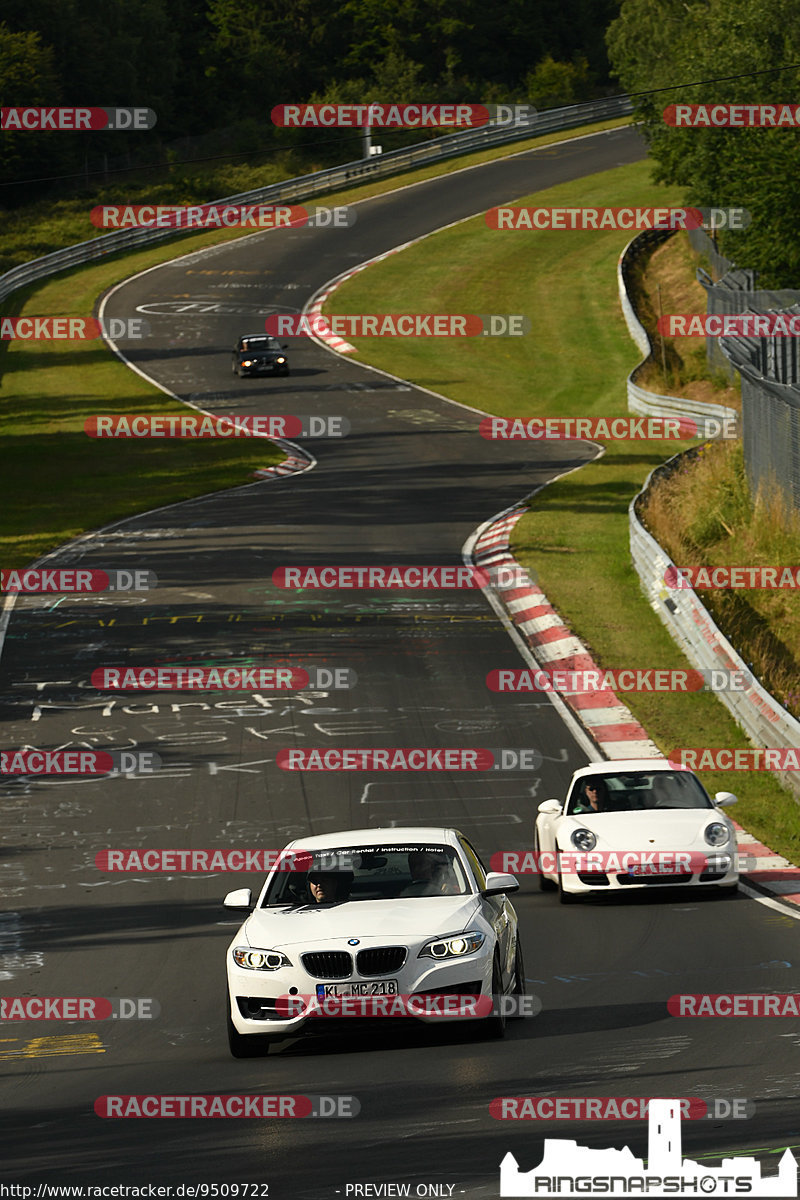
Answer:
x=574 y=363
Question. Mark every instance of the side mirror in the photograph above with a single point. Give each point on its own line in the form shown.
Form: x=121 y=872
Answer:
x=551 y=807
x=241 y=898
x=723 y=798
x=498 y=882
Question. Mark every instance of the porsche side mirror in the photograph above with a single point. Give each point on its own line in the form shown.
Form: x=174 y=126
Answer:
x=551 y=807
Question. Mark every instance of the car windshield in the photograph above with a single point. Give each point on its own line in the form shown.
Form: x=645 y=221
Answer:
x=371 y=873
x=637 y=791
x=260 y=343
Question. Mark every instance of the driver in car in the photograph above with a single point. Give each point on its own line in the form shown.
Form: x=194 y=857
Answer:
x=593 y=797
x=327 y=887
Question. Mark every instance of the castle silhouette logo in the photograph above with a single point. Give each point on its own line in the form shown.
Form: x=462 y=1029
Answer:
x=568 y=1169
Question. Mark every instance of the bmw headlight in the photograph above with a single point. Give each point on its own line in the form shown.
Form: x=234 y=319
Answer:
x=453 y=947
x=247 y=362
x=716 y=834
x=259 y=960
x=583 y=839
x=280 y=360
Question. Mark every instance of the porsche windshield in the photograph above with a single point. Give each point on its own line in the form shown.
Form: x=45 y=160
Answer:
x=637 y=791
x=369 y=873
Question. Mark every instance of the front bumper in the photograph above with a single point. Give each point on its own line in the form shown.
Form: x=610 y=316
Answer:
x=253 y=995
x=720 y=871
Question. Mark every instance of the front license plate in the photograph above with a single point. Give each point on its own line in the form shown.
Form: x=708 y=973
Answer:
x=375 y=987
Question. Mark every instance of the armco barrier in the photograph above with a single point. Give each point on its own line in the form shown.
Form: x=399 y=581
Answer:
x=305 y=186
x=758 y=713
x=640 y=400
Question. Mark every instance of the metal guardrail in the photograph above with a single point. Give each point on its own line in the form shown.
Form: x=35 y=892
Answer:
x=304 y=186
x=763 y=719
x=641 y=400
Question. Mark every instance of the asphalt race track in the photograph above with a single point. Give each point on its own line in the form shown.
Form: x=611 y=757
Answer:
x=409 y=485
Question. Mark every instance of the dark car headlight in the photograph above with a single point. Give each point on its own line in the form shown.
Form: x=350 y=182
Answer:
x=453 y=947
x=259 y=960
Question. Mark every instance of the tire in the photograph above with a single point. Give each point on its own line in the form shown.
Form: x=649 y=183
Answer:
x=494 y=1027
x=564 y=897
x=243 y=1045
x=519 y=975
x=544 y=884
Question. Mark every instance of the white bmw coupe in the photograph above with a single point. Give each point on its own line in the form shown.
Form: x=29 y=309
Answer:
x=410 y=914
x=634 y=823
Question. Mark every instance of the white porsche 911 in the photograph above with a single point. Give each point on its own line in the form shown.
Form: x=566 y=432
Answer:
x=407 y=913
x=634 y=823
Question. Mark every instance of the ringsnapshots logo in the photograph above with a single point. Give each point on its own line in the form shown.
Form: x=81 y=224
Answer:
x=222 y=679
x=76 y=120
x=582 y=682
x=75 y=581
x=32 y=762
x=568 y=1169
x=79 y=1008
x=205 y=1106
x=72 y=329
x=399 y=325
x=626 y=429
x=203 y=425
x=409 y=758
x=400 y=115
x=732 y=116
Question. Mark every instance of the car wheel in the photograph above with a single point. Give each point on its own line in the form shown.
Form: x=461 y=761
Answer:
x=564 y=896
x=519 y=975
x=545 y=884
x=244 y=1045
x=495 y=1025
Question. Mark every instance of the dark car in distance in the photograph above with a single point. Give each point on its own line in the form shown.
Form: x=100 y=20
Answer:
x=259 y=354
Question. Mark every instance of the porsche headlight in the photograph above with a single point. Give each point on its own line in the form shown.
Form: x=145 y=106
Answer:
x=583 y=839
x=716 y=834
x=259 y=960
x=453 y=947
